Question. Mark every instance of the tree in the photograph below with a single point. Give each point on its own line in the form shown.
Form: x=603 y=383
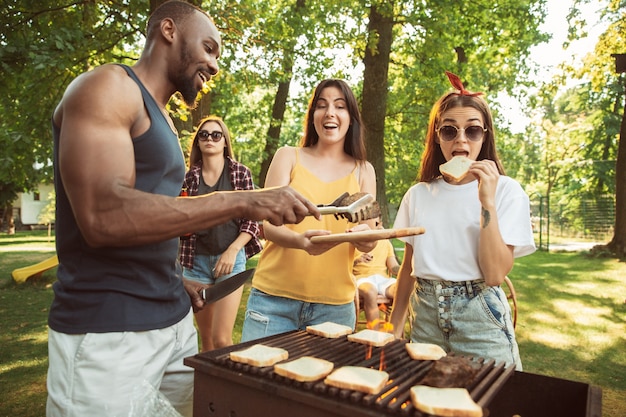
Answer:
x=375 y=87
x=402 y=48
x=43 y=45
x=604 y=99
x=486 y=46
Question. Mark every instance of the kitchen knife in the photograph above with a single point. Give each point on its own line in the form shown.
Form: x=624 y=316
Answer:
x=223 y=288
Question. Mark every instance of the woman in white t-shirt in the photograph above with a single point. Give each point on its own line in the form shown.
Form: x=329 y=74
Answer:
x=451 y=275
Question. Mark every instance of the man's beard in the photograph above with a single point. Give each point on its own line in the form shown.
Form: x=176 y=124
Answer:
x=184 y=85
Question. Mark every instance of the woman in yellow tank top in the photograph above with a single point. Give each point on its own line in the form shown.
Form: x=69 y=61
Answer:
x=297 y=282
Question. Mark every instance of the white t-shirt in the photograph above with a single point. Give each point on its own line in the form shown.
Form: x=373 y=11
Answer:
x=450 y=215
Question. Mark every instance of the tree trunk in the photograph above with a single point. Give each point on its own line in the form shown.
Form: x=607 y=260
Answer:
x=278 y=115
x=9 y=220
x=374 y=100
x=618 y=243
x=280 y=100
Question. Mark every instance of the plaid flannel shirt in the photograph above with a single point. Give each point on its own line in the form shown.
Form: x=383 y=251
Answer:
x=241 y=179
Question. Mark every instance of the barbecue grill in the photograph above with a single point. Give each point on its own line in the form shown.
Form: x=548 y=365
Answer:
x=231 y=389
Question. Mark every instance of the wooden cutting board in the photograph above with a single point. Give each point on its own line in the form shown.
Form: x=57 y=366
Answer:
x=369 y=235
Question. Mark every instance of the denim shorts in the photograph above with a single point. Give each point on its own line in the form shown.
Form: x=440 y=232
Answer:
x=268 y=315
x=468 y=318
x=203 y=265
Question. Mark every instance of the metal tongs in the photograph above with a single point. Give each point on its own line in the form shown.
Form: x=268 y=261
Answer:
x=363 y=208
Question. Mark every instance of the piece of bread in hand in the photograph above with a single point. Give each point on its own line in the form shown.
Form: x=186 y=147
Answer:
x=304 y=369
x=445 y=402
x=456 y=168
x=329 y=329
x=358 y=378
x=259 y=355
x=371 y=337
x=425 y=351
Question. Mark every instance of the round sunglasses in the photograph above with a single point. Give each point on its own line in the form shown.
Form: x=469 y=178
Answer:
x=449 y=132
x=204 y=135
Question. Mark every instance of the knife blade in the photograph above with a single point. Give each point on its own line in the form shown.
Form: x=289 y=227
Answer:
x=223 y=288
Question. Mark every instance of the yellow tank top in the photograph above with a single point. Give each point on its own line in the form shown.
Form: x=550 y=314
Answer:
x=293 y=273
x=378 y=264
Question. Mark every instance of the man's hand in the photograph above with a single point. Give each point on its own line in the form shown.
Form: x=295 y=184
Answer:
x=280 y=205
x=193 y=288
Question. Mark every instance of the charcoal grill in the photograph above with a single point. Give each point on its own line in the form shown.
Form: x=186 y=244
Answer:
x=230 y=389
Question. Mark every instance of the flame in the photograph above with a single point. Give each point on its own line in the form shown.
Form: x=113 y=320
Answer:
x=373 y=325
x=380 y=325
x=382 y=365
x=391 y=391
x=368 y=354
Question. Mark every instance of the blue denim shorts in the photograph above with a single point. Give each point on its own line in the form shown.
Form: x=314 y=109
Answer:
x=468 y=318
x=268 y=315
x=203 y=265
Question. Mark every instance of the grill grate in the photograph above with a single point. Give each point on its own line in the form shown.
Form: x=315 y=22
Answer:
x=404 y=372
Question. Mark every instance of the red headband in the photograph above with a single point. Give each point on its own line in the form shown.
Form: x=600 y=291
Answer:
x=456 y=83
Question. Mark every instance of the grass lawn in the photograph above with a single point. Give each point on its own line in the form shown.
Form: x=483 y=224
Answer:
x=571 y=324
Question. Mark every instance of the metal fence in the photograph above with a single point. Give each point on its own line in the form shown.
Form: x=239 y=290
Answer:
x=581 y=219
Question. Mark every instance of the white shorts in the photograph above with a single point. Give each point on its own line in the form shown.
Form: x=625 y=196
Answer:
x=112 y=374
x=379 y=281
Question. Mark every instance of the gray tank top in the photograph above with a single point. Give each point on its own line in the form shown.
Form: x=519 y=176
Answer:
x=132 y=288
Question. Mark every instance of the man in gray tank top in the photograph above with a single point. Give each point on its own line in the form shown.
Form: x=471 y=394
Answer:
x=121 y=319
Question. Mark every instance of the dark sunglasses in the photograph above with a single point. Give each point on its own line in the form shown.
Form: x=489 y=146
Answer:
x=473 y=133
x=204 y=135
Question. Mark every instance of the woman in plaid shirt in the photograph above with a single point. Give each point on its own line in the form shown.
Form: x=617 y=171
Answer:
x=214 y=255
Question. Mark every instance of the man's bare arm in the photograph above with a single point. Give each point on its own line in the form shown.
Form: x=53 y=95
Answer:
x=100 y=113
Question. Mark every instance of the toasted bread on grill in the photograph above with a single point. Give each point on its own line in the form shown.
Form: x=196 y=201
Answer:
x=456 y=168
x=358 y=378
x=425 y=351
x=259 y=355
x=329 y=329
x=445 y=402
x=304 y=369
x=371 y=337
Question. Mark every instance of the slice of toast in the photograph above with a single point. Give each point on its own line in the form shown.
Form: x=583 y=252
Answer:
x=456 y=168
x=358 y=378
x=329 y=329
x=259 y=355
x=304 y=369
x=371 y=337
x=425 y=351
x=445 y=402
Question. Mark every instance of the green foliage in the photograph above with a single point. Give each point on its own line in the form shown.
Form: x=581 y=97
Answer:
x=578 y=133
x=43 y=45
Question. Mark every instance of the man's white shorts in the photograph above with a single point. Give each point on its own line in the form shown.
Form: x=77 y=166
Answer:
x=379 y=281
x=106 y=374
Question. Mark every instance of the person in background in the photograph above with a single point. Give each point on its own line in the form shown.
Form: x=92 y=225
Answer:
x=214 y=255
x=299 y=282
x=121 y=316
x=474 y=229
x=373 y=271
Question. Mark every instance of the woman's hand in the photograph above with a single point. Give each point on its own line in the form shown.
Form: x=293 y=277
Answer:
x=225 y=263
x=366 y=246
x=316 y=248
x=487 y=174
